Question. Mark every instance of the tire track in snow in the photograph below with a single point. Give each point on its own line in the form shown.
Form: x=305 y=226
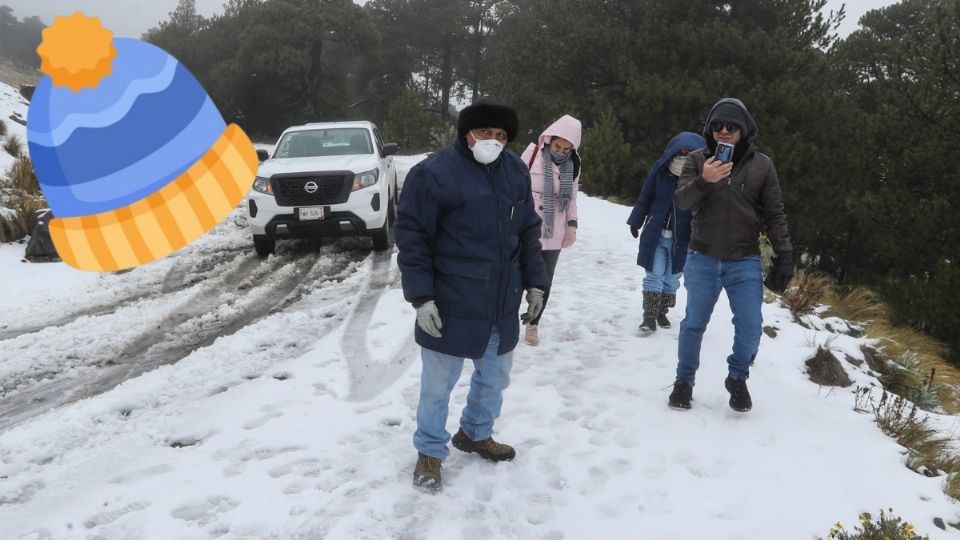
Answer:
x=176 y=279
x=251 y=291
x=368 y=378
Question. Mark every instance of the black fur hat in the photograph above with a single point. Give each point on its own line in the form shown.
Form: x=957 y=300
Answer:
x=488 y=112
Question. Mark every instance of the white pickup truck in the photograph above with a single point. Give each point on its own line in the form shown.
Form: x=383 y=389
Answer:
x=324 y=180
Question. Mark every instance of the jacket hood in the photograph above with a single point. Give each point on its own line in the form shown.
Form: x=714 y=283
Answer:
x=750 y=129
x=567 y=127
x=682 y=141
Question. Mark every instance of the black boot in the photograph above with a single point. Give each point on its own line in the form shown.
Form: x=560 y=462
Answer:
x=667 y=301
x=739 y=395
x=651 y=308
x=681 y=396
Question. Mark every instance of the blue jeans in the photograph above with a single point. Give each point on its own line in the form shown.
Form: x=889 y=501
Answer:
x=704 y=277
x=660 y=278
x=491 y=375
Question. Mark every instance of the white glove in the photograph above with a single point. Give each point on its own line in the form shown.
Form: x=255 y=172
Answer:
x=428 y=318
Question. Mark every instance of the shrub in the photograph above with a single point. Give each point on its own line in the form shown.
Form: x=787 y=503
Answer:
x=918 y=364
x=23 y=177
x=928 y=453
x=951 y=486
x=885 y=527
x=806 y=291
x=3 y=129
x=17 y=215
x=13 y=146
x=20 y=198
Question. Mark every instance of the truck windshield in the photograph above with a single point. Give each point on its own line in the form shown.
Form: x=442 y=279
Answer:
x=324 y=142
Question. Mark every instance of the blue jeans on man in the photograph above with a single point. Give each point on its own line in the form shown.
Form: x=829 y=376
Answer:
x=491 y=375
x=704 y=277
x=661 y=278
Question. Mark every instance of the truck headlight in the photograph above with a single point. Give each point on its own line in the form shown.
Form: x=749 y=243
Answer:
x=365 y=179
x=263 y=185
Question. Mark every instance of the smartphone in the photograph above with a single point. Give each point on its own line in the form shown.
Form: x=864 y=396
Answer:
x=724 y=153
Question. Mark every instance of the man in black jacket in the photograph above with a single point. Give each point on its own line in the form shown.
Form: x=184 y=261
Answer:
x=729 y=200
x=468 y=243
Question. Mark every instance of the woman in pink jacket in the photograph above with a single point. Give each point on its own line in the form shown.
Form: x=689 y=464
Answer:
x=554 y=179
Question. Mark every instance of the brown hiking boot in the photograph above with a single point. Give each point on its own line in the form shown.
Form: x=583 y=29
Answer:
x=488 y=449
x=427 y=472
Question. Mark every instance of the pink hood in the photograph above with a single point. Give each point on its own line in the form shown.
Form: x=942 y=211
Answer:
x=567 y=127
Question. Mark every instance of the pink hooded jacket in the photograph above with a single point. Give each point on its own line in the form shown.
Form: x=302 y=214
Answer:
x=567 y=127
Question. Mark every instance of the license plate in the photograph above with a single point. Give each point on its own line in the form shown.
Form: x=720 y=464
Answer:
x=311 y=213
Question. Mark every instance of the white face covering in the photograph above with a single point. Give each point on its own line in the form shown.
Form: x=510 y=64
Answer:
x=676 y=166
x=487 y=151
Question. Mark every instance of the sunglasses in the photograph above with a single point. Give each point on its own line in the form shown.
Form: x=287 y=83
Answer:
x=717 y=127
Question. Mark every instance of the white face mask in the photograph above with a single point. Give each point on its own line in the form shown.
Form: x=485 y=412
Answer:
x=676 y=166
x=487 y=151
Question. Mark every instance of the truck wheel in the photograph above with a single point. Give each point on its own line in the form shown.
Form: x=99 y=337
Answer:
x=263 y=245
x=383 y=237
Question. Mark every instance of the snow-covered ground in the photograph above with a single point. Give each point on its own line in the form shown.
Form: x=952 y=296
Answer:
x=284 y=405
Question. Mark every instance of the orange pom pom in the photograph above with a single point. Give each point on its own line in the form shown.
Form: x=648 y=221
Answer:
x=76 y=52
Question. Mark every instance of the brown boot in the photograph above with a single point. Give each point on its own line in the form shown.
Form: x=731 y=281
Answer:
x=488 y=449
x=427 y=472
x=530 y=335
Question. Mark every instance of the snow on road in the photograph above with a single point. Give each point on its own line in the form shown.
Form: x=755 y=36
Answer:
x=298 y=423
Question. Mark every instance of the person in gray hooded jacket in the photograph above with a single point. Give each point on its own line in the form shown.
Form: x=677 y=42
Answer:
x=730 y=202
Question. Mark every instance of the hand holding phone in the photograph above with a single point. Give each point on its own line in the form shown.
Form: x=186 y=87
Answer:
x=715 y=170
x=724 y=153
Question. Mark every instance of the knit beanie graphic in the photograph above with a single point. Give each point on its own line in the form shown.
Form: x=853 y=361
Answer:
x=130 y=152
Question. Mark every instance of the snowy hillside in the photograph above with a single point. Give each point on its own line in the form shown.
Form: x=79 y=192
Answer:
x=232 y=398
x=13 y=107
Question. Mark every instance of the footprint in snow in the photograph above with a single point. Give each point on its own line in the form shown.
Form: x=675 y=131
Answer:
x=308 y=467
x=140 y=474
x=204 y=512
x=112 y=515
x=257 y=422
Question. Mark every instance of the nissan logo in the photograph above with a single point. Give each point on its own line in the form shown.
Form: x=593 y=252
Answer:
x=311 y=187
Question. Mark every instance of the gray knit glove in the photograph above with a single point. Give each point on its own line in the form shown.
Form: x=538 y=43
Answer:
x=534 y=304
x=428 y=319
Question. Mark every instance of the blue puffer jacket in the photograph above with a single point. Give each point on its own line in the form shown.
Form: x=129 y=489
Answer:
x=469 y=238
x=656 y=203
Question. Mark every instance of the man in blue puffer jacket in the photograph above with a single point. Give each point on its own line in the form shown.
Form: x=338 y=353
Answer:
x=469 y=244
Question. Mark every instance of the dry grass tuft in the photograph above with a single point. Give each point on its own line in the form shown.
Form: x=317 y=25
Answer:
x=857 y=305
x=13 y=146
x=825 y=370
x=23 y=177
x=17 y=222
x=20 y=199
x=917 y=366
x=806 y=292
x=929 y=453
x=951 y=486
